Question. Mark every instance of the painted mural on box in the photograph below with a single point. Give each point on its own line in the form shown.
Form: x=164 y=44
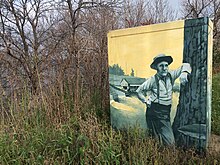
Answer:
x=160 y=80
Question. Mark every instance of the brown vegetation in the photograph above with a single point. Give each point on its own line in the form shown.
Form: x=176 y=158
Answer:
x=54 y=81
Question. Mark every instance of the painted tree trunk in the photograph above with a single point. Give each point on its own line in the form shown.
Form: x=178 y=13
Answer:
x=192 y=122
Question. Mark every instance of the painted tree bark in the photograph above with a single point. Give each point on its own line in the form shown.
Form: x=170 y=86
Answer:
x=192 y=122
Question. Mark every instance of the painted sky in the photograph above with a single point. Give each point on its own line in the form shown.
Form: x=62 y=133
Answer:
x=135 y=48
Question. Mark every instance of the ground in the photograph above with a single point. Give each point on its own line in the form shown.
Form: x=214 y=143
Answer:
x=214 y=145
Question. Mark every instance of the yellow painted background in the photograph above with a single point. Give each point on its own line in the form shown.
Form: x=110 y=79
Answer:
x=136 y=47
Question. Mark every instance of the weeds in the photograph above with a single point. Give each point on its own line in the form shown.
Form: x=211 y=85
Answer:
x=216 y=104
x=36 y=131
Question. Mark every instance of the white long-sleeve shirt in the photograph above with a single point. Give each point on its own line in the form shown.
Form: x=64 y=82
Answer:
x=165 y=86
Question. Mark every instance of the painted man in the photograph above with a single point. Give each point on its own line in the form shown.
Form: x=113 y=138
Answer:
x=160 y=99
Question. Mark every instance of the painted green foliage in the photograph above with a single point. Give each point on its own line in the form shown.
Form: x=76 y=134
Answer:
x=116 y=70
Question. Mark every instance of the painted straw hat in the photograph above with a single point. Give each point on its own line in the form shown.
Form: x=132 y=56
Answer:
x=159 y=58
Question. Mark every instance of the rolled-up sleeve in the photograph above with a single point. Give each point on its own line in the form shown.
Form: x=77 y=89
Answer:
x=146 y=86
x=184 y=68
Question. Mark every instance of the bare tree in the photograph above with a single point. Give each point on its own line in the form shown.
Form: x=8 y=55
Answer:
x=100 y=21
x=86 y=24
x=205 y=8
x=140 y=12
x=160 y=11
x=25 y=27
x=135 y=13
x=202 y=8
x=196 y=8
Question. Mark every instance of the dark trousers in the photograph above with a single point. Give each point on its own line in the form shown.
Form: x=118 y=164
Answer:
x=158 y=122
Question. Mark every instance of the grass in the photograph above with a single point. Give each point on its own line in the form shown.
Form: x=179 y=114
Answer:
x=45 y=130
x=73 y=144
x=216 y=104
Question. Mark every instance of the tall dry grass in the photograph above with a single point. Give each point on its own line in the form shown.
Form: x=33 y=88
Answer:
x=44 y=129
